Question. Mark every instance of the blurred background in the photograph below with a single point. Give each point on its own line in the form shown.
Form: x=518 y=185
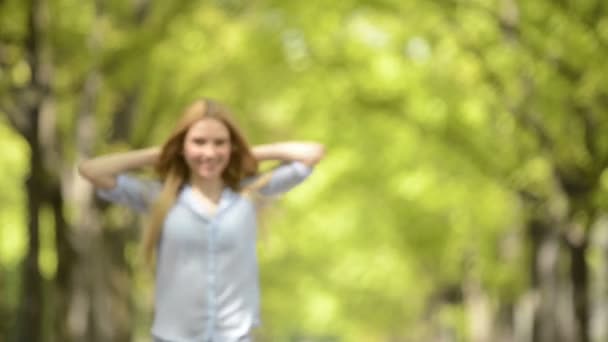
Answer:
x=463 y=196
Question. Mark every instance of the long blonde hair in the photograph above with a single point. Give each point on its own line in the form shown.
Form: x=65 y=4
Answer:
x=174 y=172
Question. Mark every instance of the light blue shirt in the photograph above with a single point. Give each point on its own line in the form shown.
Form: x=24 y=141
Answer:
x=207 y=284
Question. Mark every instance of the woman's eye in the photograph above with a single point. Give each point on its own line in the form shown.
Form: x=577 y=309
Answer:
x=200 y=141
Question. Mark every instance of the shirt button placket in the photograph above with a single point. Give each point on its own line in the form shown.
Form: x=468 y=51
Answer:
x=211 y=279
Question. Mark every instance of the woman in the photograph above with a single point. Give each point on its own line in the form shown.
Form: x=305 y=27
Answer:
x=202 y=230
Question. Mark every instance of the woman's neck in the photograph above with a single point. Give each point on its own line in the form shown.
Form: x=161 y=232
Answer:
x=210 y=188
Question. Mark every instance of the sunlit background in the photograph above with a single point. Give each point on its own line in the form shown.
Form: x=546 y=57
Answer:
x=463 y=196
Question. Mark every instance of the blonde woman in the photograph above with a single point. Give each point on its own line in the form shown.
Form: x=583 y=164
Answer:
x=202 y=231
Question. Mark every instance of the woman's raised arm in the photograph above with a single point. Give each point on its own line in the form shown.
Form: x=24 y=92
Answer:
x=102 y=171
x=309 y=153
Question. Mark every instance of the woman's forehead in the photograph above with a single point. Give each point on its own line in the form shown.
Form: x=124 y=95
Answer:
x=209 y=127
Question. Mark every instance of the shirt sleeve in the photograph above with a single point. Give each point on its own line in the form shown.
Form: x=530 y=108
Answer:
x=134 y=192
x=284 y=178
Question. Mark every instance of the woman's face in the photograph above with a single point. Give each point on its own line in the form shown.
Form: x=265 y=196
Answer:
x=207 y=148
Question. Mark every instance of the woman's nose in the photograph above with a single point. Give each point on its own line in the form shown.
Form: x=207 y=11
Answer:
x=209 y=151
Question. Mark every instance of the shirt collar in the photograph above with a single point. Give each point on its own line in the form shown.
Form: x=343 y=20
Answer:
x=188 y=198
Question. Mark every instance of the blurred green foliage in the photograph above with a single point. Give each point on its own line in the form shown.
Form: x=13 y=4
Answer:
x=436 y=117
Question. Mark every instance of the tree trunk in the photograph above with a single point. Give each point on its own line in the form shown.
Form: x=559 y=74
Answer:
x=29 y=321
x=579 y=277
x=29 y=317
x=65 y=264
x=544 y=258
x=100 y=305
x=599 y=300
x=525 y=317
x=479 y=311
